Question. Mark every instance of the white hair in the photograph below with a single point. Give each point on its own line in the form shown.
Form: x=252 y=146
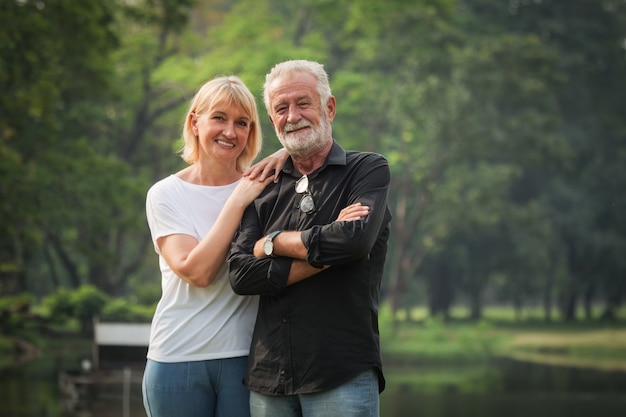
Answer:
x=297 y=66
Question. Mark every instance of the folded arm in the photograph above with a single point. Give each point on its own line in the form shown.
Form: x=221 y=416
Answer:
x=301 y=254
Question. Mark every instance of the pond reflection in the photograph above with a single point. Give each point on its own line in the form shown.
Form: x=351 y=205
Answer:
x=404 y=404
x=34 y=390
x=503 y=387
x=494 y=389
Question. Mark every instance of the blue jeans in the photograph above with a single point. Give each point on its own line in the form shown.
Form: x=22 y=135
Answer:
x=212 y=388
x=356 y=398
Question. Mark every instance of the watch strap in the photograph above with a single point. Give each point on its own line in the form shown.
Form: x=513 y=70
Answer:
x=268 y=242
x=273 y=234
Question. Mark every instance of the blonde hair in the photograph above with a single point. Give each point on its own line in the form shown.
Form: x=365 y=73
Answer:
x=229 y=91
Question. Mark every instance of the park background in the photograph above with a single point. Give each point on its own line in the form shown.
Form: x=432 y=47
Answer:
x=504 y=122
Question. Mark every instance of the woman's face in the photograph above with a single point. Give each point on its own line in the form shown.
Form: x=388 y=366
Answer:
x=222 y=132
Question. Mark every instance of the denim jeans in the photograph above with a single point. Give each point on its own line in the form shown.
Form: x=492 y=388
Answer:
x=212 y=388
x=356 y=398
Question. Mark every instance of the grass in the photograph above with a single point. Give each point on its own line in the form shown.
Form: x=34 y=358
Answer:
x=415 y=338
x=601 y=348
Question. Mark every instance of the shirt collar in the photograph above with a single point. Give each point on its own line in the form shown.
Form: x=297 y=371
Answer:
x=336 y=156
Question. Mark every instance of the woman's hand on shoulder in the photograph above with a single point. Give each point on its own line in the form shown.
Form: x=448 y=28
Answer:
x=268 y=167
x=248 y=189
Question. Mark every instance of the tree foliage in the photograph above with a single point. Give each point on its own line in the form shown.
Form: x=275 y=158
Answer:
x=503 y=123
x=52 y=81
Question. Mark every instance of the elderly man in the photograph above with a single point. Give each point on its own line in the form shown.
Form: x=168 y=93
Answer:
x=313 y=246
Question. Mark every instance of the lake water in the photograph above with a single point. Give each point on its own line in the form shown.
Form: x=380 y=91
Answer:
x=499 y=388
x=503 y=388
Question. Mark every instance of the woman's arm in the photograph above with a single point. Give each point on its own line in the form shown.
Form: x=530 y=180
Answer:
x=199 y=262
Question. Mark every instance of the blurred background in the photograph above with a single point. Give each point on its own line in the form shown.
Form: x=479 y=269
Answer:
x=504 y=122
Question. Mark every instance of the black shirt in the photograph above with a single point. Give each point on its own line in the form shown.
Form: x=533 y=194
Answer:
x=320 y=332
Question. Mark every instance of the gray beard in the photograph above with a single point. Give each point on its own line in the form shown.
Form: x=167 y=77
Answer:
x=309 y=143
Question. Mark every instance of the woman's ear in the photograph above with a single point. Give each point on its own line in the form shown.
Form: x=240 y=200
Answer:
x=193 y=122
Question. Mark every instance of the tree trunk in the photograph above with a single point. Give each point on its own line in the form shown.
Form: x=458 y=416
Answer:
x=476 y=308
x=547 y=300
x=588 y=301
x=440 y=291
x=67 y=263
x=568 y=308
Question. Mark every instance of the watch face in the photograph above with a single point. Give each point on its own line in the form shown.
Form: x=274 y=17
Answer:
x=268 y=247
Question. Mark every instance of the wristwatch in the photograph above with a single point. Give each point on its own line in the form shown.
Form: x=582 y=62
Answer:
x=268 y=246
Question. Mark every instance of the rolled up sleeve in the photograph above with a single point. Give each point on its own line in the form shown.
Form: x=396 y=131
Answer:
x=341 y=242
x=248 y=274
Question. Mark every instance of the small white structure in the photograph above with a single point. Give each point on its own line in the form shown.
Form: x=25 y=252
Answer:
x=121 y=334
x=120 y=345
x=118 y=357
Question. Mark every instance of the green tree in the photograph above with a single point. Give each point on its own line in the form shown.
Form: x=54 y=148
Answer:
x=72 y=122
x=502 y=122
x=464 y=116
x=583 y=202
x=52 y=53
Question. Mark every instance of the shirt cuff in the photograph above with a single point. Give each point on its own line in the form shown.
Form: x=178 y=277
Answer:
x=310 y=240
x=278 y=273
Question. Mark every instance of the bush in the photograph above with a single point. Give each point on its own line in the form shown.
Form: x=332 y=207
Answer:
x=81 y=304
x=58 y=306
x=88 y=301
x=15 y=313
x=122 y=310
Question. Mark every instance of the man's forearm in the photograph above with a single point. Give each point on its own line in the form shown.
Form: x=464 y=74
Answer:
x=301 y=270
x=288 y=244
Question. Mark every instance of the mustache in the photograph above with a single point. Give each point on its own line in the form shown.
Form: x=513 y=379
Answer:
x=289 y=127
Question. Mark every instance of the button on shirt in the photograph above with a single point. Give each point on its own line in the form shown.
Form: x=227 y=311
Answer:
x=321 y=332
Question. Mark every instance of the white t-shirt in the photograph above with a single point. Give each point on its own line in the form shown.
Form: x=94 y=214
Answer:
x=192 y=323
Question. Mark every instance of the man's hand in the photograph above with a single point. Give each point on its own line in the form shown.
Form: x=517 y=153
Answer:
x=354 y=211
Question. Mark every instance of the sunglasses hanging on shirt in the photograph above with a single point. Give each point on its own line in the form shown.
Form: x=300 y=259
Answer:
x=307 y=206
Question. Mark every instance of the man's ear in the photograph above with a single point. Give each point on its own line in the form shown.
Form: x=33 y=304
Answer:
x=331 y=108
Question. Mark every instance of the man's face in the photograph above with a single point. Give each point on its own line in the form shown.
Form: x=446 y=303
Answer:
x=301 y=123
